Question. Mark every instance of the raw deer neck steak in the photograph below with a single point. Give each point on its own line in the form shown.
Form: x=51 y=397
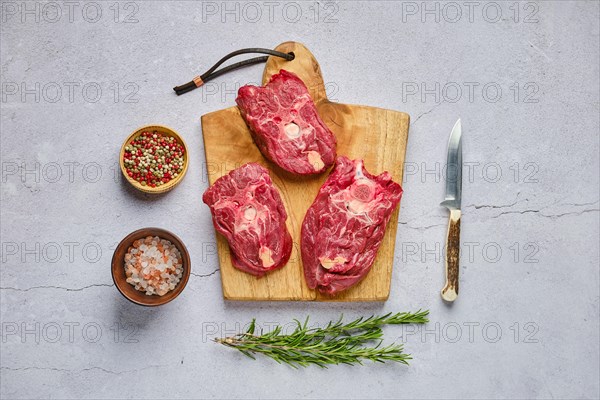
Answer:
x=285 y=125
x=247 y=210
x=344 y=227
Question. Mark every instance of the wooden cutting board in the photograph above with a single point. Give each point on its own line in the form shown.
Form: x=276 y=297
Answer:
x=375 y=135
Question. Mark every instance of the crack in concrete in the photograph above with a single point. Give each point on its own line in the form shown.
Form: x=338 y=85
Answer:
x=539 y=50
x=420 y=228
x=36 y=368
x=539 y=212
x=83 y=370
x=205 y=275
x=89 y=286
x=425 y=113
x=477 y=207
x=516 y=201
x=580 y=204
x=57 y=287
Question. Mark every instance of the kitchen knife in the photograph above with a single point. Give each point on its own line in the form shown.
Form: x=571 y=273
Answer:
x=452 y=203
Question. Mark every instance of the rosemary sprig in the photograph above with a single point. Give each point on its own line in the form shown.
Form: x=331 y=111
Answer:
x=336 y=343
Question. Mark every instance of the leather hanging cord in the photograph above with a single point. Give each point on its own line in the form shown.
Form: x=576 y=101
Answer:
x=213 y=73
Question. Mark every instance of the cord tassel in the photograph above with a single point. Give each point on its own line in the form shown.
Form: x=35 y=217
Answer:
x=212 y=73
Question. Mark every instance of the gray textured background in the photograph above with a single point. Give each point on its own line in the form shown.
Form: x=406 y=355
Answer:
x=527 y=320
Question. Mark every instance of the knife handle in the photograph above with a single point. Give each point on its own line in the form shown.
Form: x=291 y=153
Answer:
x=450 y=290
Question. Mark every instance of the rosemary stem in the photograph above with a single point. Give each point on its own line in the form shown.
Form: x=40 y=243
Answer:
x=336 y=343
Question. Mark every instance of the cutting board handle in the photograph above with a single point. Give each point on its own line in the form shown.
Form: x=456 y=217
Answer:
x=304 y=65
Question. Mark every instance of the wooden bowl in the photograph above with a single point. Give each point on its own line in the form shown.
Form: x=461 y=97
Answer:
x=173 y=182
x=118 y=268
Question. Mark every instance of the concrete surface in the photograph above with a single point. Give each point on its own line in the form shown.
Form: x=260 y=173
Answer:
x=78 y=77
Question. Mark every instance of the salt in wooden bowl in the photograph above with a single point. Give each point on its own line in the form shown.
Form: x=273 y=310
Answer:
x=120 y=278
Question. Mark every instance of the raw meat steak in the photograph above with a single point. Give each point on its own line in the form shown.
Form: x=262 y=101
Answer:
x=344 y=227
x=247 y=210
x=285 y=125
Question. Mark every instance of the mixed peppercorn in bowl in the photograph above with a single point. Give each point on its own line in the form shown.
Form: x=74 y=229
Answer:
x=154 y=159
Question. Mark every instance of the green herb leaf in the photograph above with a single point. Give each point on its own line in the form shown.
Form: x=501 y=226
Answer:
x=336 y=343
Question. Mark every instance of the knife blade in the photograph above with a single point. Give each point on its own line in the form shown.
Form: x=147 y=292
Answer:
x=452 y=202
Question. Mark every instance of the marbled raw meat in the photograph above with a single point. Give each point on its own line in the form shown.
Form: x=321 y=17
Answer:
x=285 y=125
x=345 y=225
x=247 y=210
